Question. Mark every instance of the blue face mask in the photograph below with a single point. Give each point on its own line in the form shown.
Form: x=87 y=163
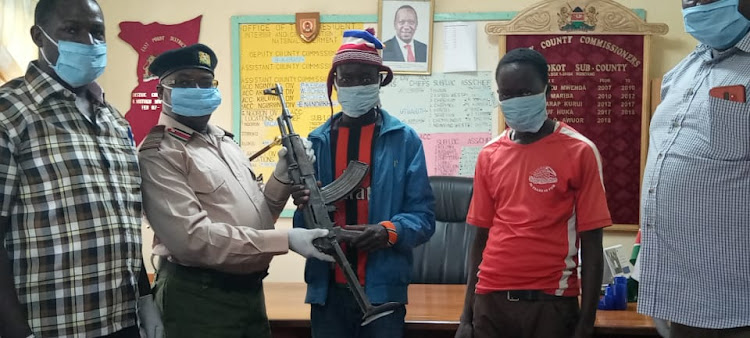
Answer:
x=718 y=24
x=526 y=114
x=194 y=102
x=78 y=64
x=358 y=100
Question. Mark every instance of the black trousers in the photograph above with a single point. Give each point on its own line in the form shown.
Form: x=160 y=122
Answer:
x=498 y=316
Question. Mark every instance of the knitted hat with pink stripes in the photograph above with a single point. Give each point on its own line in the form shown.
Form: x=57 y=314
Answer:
x=359 y=47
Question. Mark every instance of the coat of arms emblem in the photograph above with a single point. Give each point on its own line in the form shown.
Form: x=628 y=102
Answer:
x=577 y=19
x=308 y=26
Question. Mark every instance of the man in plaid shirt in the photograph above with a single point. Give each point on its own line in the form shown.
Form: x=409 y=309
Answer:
x=70 y=199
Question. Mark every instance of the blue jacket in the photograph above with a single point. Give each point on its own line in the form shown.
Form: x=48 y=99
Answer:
x=400 y=193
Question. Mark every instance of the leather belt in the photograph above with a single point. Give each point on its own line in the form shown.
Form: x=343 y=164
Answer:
x=530 y=295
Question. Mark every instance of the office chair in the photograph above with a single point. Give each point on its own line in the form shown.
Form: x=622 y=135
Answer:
x=444 y=259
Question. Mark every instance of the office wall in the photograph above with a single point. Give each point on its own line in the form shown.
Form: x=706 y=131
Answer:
x=119 y=79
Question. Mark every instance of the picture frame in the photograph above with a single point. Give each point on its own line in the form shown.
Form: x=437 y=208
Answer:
x=405 y=28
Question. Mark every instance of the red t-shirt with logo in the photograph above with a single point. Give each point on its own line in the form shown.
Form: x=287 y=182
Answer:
x=535 y=199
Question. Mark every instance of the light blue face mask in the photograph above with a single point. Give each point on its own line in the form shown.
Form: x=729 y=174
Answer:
x=718 y=24
x=358 y=100
x=78 y=64
x=193 y=102
x=526 y=114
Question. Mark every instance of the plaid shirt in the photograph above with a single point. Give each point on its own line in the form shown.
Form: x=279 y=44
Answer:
x=695 y=266
x=71 y=191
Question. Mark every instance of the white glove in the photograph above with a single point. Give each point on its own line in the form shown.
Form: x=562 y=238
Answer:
x=300 y=241
x=282 y=167
x=149 y=318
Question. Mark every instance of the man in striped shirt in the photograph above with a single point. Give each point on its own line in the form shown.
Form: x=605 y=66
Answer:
x=695 y=219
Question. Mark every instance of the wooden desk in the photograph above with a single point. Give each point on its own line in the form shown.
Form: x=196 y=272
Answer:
x=433 y=311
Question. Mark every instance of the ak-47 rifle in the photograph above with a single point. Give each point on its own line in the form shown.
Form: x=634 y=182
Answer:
x=315 y=212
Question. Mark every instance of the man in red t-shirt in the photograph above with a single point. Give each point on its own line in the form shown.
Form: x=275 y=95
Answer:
x=538 y=191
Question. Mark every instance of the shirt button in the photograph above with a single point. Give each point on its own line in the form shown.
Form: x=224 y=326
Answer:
x=651 y=191
x=660 y=156
x=690 y=92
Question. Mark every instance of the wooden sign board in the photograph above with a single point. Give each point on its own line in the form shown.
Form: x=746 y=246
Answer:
x=598 y=55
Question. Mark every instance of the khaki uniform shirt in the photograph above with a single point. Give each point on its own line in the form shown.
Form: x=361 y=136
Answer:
x=203 y=203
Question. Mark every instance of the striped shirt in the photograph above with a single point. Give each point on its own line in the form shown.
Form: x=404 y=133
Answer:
x=695 y=214
x=70 y=188
x=353 y=142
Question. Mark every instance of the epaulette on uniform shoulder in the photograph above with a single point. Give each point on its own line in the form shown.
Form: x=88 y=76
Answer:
x=153 y=139
x=226 y=133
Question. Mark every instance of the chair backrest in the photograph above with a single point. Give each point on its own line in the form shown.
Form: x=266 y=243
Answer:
x=444 y=259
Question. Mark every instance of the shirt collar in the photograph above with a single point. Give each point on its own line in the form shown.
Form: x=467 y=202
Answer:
x=402 y=43
x=43 y=87
x=744 y=44
x=185 y=133
x=710 y=53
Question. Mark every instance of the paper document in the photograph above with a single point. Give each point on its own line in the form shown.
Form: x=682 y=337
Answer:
x=460 y=47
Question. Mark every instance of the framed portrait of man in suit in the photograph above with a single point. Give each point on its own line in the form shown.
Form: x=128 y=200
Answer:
x=405 y=28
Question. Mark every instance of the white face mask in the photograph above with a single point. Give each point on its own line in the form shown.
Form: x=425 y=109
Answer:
x=358 y=100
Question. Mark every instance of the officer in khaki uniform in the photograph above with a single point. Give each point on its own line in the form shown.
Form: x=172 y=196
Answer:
x=213 y=223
